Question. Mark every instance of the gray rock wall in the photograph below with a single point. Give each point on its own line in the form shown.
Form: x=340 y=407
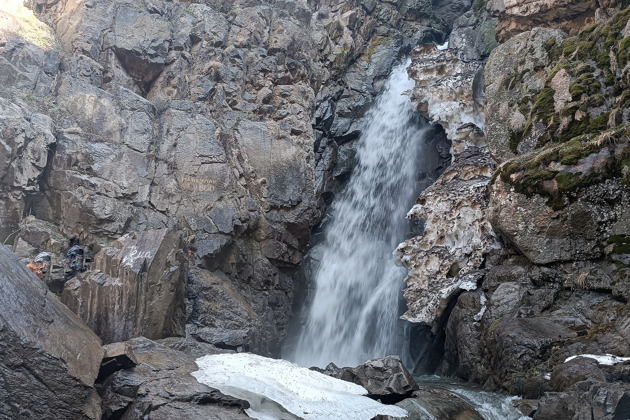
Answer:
x=232 y=122
x=135 y=288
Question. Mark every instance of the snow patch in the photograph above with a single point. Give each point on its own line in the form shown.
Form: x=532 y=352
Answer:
x=468 y=285
x=442 y=46
x=279 y=389
x=605 y=359
x=483 y=309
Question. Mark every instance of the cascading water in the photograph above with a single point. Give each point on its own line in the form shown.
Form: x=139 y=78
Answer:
x=354 y=313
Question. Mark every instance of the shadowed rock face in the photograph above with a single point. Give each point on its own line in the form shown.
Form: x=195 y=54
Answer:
x=136 y=288
x=49 y=359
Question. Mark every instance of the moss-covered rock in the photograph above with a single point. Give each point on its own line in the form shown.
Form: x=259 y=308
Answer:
x=578 y=108
x=514 y=77
x=559 y=171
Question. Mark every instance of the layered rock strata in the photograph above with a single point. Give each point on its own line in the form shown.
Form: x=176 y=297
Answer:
x=570 y=16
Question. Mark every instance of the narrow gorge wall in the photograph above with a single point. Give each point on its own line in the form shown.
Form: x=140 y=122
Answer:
x=231 y=122
x=525 y=265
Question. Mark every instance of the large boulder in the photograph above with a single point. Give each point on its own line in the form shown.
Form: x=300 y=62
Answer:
x=135 y=288
x=140 y=391
x=513 y=72
x=438 y=404
x=559 y=126
x=586 y=399
x=49 y=359
x=575 y=232
x=385 y=379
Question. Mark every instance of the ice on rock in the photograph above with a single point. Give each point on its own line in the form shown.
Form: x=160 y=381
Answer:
x=279 y=389
x=602 y=359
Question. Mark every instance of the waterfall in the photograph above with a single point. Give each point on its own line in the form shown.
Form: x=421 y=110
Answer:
x=354 y=313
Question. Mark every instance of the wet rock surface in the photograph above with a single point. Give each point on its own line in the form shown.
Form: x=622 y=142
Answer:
x=49 y=357
x=438 y=404
x=386 y=379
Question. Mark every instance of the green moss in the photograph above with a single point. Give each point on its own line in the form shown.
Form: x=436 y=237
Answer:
x=624 y=100
x=568 y=47
x=515 y=140
x=543 y=108
x=576 y=90
x=600 y=329
x=478 y=6
x=569 y=110
x=534 y=170
x=623 y=51
x=619 y=21
x=588 y=29
x=570 y=152
x=598 y=124
x=621 y=244
x=568 y=181
x=532 y=181
x=575 y=129
x=597 y=89
x=586 y=83
x=585 y=49
x=603 y=60
x=583 y=68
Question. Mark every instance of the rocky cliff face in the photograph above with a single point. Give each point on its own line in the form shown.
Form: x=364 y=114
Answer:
x=231 y=122
x=555 y=123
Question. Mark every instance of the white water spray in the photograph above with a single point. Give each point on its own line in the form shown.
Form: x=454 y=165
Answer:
x=354 y=314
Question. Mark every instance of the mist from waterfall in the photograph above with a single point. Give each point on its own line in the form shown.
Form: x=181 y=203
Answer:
x=355 y=309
